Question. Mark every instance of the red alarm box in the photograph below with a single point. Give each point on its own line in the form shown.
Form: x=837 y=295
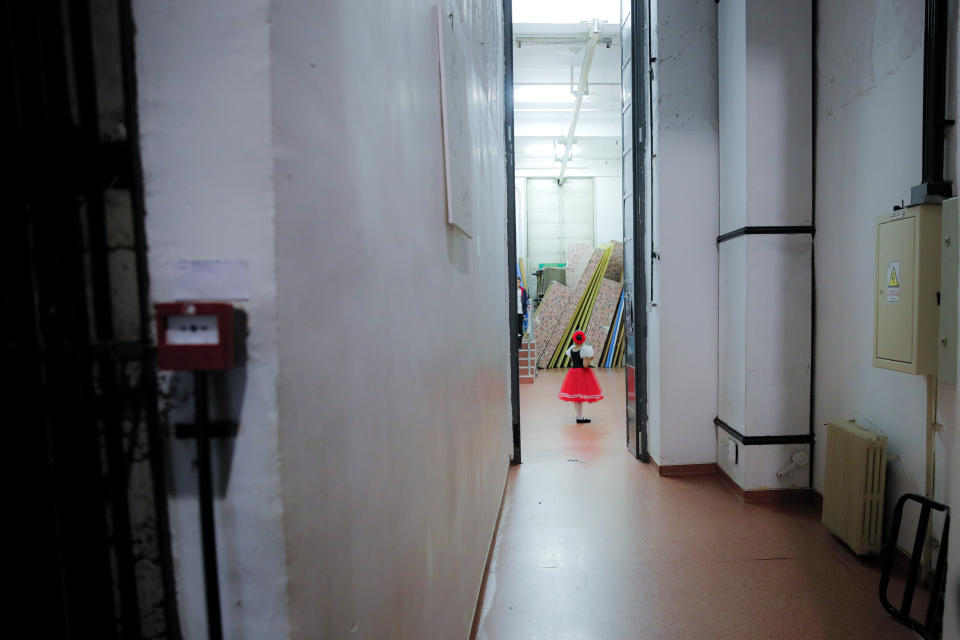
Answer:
x=197 y=336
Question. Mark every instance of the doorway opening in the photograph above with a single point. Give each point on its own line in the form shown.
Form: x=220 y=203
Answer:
x=576 y=204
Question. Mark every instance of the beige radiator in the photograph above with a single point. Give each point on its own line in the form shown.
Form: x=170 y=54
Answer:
x=853 y=492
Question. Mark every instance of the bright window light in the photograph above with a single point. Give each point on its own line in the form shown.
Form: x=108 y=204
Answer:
x=540 y=149
x=565 y=11
x=558 y=151
x=551 y=93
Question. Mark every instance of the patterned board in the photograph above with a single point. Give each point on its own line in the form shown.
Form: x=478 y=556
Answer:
x=615 y=267
x=584 y=311
x=548 y=315
x=561 y=329
x=580 y=303
x=577 y=256
x=604 y=308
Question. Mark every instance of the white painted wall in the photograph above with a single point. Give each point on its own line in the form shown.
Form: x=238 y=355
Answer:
x=609 y=207
x=778 y=296
x=732 y=401
x=778 y=112
x=732 y=53
x=394 y=340
x=868 y=156
x=686 y=197
x=204 y=99
x=608 y=204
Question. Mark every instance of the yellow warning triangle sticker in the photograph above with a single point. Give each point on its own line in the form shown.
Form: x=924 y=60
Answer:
x=894 y=281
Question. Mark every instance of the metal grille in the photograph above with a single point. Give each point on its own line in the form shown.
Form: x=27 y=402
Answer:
x=75 y=327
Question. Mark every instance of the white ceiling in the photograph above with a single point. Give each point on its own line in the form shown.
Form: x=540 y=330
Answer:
x=549 y=44
x=565 y=11
x=546 y=70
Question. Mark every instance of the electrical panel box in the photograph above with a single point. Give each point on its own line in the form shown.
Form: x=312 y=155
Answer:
x=907 y=288
x=199 y=336
x=949 y=270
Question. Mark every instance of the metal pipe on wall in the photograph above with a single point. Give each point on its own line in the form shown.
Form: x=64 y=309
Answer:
x=933 y=187
x=930 y=464
x=581 y=91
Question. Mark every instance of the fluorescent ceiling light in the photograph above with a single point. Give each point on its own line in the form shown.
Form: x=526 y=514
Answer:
x=565 y=11
x=561 y=146
x=547 y=149
x=541 y=93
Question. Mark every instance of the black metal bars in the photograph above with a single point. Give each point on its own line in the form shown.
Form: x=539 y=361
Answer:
x=931 y=626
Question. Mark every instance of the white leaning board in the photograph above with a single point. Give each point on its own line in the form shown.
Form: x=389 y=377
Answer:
x=458 y=144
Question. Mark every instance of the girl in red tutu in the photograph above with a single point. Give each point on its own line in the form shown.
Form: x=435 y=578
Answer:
x=580 y=385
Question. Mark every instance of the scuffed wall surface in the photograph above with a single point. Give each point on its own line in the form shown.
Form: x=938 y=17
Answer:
x=870 y=59
x=204 y=92
x=687 y=200
x=394 y=341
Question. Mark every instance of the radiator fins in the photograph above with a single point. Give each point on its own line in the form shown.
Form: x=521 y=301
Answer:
x=854 y=488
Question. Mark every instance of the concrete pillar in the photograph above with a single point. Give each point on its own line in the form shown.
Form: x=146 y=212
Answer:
x=765 y=244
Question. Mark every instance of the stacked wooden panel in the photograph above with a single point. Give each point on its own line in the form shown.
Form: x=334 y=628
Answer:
x=577 y=256
x=584 y=294
x=601 y=320
x=558 y=328
x=615 y=267
x=618 y=355
x=549 y=319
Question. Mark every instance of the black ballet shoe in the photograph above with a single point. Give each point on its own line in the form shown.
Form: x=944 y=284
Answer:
x=582 y=420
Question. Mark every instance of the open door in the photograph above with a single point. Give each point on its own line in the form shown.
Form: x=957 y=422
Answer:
x=515 y=456
x=634 y=63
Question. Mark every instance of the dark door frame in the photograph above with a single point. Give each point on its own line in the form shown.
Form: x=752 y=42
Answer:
x=515 y=457
x=640 y=65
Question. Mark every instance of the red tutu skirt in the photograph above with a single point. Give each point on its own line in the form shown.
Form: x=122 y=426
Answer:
x=580 y=385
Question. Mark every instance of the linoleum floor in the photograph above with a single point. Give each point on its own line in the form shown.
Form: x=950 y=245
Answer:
x=593 y=544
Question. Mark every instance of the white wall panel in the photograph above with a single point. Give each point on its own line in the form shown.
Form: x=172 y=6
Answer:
x=778 y=323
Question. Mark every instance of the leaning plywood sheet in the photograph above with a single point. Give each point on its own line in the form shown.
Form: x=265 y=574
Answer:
x=557 y=332
x=614 y=333
x=584 y=311
x=552 y=331
x=577 y=256
x=615 y=266
x=549 y=316
x=582 y=299
x=604 y=308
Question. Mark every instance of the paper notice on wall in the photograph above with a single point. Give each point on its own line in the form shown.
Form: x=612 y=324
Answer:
x=212 y=280
x=893 y=281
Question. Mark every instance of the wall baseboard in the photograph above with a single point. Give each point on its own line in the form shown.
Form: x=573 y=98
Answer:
x=770 y=495
x=672 y=470
x=474 y=627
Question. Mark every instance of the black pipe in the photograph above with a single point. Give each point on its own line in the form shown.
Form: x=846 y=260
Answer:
x=208 y=532
x=933 y=187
